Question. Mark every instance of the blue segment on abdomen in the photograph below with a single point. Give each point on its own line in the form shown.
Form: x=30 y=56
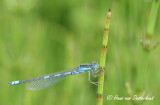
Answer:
x=14 y=83
x=57 y=75
x=46 y=77
x=67 y=73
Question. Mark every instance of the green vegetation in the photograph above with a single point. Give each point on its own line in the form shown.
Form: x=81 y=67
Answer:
x=42 y=37
x=146 y=43
x=103 y=60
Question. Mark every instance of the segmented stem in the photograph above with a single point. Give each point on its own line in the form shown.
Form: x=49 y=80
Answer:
x=146 y=43
x=102 y=60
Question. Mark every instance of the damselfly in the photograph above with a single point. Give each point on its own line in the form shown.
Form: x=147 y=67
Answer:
x=51 y=79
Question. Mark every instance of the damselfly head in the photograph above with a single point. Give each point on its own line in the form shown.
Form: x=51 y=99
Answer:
x=94 y=65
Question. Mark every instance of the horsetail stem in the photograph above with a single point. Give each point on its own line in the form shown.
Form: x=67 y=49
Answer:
x=102 y=60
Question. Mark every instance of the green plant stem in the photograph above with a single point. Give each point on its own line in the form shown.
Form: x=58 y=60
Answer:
x=102 y=60
x=146 y=43
x=152 y=19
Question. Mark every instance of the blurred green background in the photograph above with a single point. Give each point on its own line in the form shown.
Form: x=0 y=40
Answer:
x=39 y=37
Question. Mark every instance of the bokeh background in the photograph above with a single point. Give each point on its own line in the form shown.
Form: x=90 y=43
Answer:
x=39 y=37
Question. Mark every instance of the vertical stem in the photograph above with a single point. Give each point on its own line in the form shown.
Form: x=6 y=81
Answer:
x=146 y=44
x=152 y=19
x=102 y=60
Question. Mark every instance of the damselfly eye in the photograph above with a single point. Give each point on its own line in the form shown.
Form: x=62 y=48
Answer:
x=94 y=65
